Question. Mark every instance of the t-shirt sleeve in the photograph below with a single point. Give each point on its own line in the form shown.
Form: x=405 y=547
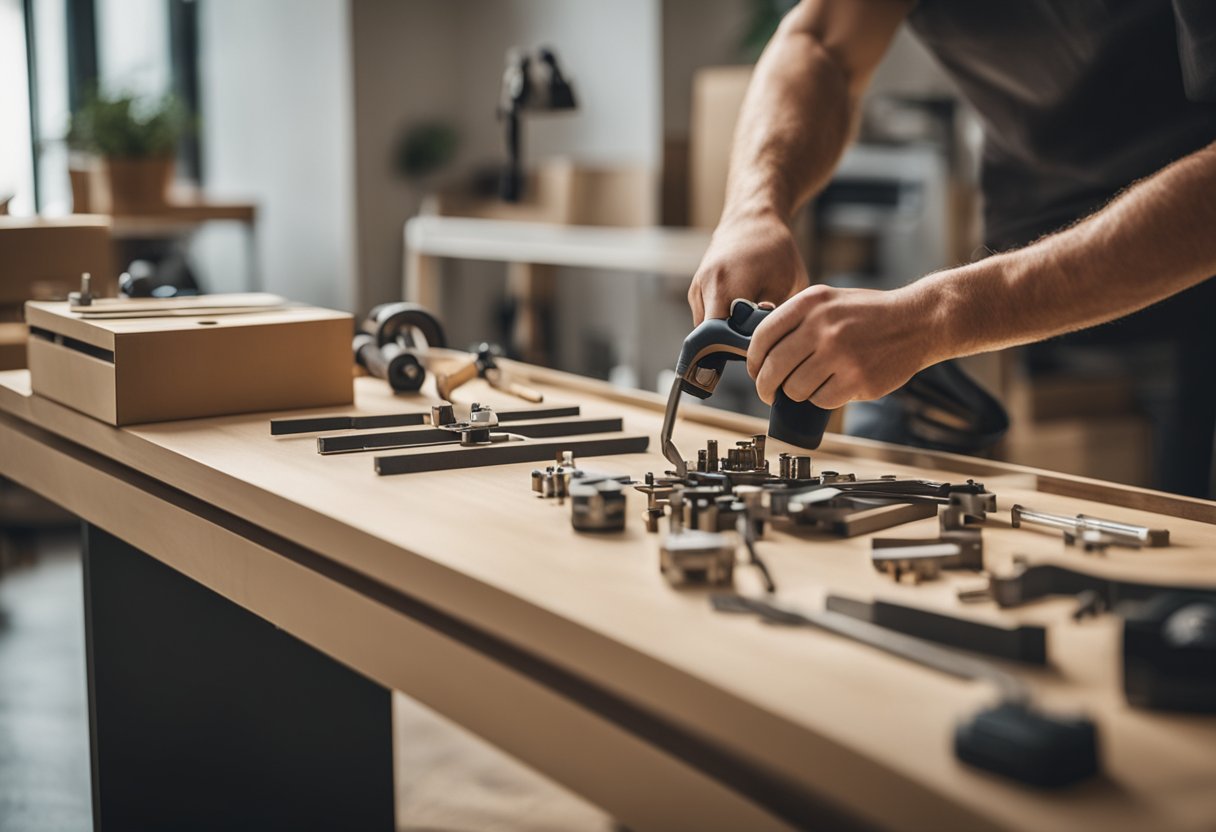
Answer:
x=1196 y=22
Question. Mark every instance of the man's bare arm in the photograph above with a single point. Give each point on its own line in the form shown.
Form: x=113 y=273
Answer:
x=795 y=122
x=1155 y=240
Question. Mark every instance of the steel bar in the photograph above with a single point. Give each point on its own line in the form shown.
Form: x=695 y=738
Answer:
x=317 y=424
x=452 y=458
x=439 y=436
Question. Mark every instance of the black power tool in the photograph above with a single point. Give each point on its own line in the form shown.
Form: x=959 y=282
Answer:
x=699 y=368
x=942 y=407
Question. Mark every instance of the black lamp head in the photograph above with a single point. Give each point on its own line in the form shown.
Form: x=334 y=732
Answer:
x=528 y=86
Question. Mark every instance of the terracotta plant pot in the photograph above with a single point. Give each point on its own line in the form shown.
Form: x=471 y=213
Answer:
x=139 y=185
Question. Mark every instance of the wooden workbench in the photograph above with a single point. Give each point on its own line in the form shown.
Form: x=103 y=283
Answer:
x=570 y=651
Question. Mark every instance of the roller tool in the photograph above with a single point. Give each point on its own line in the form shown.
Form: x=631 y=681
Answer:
x=386 y=344
x=700 y=366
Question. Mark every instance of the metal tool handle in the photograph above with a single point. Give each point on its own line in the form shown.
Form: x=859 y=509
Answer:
x=716 y=341
x=1021 y=514
x=1124 y=533
x=1145 y=535
x=911 y=648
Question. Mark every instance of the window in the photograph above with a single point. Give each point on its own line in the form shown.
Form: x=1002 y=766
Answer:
x=16 y=148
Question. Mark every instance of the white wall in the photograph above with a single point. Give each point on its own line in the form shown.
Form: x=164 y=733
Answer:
x=437 y=59
x=404 y=72
x=133 y=46
x=277 y=127
x=16 y=160
x=431 y=59
x=609 y=50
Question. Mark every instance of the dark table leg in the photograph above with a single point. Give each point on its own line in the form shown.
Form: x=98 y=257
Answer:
x=204 y=716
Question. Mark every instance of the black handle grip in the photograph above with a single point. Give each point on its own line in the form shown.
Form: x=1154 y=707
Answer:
x=718 y=340
x=391 y=362
x=798 y=423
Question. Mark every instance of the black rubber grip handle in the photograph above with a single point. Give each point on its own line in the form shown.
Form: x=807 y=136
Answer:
x=391 y=362
x=719 y=340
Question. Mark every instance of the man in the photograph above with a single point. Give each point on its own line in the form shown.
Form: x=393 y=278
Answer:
x=1102 y=111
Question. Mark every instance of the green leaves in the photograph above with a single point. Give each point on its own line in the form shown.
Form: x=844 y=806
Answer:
x=124 y=126
x=425 y=148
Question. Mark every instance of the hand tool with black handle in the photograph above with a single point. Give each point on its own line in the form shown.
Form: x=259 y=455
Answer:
x=699 y=368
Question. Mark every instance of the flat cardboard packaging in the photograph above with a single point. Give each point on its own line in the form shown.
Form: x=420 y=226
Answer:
x=717 y=96
x=150 y=369
x=42 y=258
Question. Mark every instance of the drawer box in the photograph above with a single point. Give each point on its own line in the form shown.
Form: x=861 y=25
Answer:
x=182 y=365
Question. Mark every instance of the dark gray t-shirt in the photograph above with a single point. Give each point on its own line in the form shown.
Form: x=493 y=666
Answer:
x=1079 y=98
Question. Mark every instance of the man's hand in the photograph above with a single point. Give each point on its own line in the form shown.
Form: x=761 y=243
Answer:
x=832 y=346
x=755 y=259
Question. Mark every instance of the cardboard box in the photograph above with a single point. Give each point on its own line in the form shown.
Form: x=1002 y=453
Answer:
x=12 y=346
x=42 y=258
x=717 y=96
x=149 y=369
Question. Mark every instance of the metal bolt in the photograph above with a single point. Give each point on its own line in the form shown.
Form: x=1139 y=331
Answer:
x=802 y=467
x=85 y=296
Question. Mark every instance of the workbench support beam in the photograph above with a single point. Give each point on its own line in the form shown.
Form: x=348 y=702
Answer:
x=204 y=716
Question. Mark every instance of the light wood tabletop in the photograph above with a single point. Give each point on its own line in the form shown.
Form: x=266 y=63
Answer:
x=591 y=668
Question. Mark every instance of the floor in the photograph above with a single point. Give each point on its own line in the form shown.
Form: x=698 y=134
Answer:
x=447 y=779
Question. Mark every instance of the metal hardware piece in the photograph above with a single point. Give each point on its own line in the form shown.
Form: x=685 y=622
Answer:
x=556 y=481
x=1115 y=532
x=923 y=560
x=692 y=556
x=320 y=424
x=597 y=506
x=670 y=452
x=1023 y=643
x=907 y=647
x=1026 y=583
x=839 y=514
x=477 y=430
x=749 y=521
x=447 y=459
x=960 y=545
x=1013 y=739
x=85 y=296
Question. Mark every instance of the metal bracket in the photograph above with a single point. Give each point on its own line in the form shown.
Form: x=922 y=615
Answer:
x=1094 y=533
x=319 y=424
x=1026 y=583
x=451 y=458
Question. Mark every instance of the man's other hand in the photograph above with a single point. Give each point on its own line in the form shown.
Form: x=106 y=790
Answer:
x=754 y=259
x=832 y=346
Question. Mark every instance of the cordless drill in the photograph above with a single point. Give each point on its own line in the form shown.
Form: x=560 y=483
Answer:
x=699 y=368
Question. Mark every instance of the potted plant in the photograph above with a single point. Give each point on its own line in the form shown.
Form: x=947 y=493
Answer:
x=136 y=140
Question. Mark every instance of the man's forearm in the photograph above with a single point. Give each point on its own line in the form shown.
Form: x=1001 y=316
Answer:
x=792 y=129
x=1155 y=240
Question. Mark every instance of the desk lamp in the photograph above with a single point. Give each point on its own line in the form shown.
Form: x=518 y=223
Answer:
x=533 y=86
